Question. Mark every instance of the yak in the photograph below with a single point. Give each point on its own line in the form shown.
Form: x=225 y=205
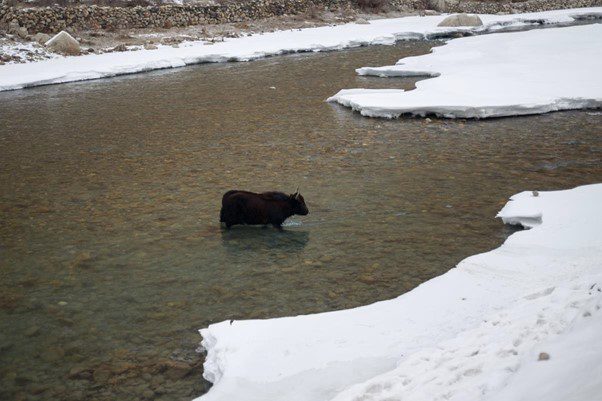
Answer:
x=244 y=207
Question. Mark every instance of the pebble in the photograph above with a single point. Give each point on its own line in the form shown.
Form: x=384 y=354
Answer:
x=101 y=375
x=367 y=279
x=79 y=372
x=543 y=356
x=32 y=331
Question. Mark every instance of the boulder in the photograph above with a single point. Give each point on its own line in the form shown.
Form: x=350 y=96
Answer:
x=15 y=29
x=64 y=43
x=120 y=48
x=437 y=5
x=22 y=32
x=41 y=38
x=461 y=20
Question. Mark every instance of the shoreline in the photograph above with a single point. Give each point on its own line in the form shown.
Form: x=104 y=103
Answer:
x=255 y=46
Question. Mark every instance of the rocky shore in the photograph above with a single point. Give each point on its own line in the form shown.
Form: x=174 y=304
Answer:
x=92 y=17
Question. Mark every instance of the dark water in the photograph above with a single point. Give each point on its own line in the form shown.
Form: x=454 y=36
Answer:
x=111 y=256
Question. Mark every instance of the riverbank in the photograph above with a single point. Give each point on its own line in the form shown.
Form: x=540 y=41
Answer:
x=487 y=329
x=82 y=17
x=328 y=38
x=25 y=26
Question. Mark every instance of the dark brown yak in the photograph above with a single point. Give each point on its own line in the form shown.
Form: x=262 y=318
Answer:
x=243 y=207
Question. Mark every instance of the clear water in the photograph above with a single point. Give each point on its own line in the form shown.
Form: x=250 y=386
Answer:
x=111 y=256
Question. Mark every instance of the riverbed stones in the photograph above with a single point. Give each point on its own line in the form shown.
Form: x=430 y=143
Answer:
x=64 y=43
x=461 y=20
x=175 y=370
x=101 y=375
x=80 y=373
x=32 y=331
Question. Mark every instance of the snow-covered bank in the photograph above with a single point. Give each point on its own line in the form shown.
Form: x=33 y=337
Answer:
x=386 y=31
x=474 y=333
x=493 y=75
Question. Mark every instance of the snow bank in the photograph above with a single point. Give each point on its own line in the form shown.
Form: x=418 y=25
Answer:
x=385 y=31
x=474 y=333
x=493 y=75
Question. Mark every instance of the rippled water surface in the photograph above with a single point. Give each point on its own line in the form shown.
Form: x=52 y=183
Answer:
x=111 y=256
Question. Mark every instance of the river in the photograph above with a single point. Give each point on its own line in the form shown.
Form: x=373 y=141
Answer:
x=111 y=254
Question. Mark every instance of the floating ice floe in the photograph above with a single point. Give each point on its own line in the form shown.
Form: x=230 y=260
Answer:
x=520 y=322
x=503 y=74
x=384 y=31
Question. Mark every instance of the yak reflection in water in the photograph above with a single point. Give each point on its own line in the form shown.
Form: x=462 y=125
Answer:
x=259 y=239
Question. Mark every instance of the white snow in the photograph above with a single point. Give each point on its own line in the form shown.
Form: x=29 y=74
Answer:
x=24 y=52
x=493 y=75
x=385 y=31
x=474 y=333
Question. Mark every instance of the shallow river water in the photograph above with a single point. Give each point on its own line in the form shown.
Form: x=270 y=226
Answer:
x=111 y=255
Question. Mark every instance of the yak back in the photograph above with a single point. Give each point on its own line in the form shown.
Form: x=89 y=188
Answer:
x=268 y=196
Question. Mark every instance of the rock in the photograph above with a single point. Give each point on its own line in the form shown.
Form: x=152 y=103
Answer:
x=150 y=46
x=362 y=21
x=53 y=354
x=32 y=331
x=41 y=38
x=175 y=370
x=64 y=43
x=80 y=373
x=5 y=347
x=461 y=20
x=101 y=375
x=120 y=48
x=122 y=367
x=24 y=379
x=367 y=278
x=22 y=33
x=13 y=27
x=36 y=389
x=438 y=5
x=543 y=356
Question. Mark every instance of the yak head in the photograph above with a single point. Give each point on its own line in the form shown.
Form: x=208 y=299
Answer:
x=298 y=203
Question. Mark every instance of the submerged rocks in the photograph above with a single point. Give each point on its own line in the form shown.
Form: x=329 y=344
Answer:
x=64 y=43
x=175 y=370
x=461 y=20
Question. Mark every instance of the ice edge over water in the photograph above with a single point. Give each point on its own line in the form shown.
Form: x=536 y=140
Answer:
x=474 y=333
x=328 y=38
x=496 y=75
